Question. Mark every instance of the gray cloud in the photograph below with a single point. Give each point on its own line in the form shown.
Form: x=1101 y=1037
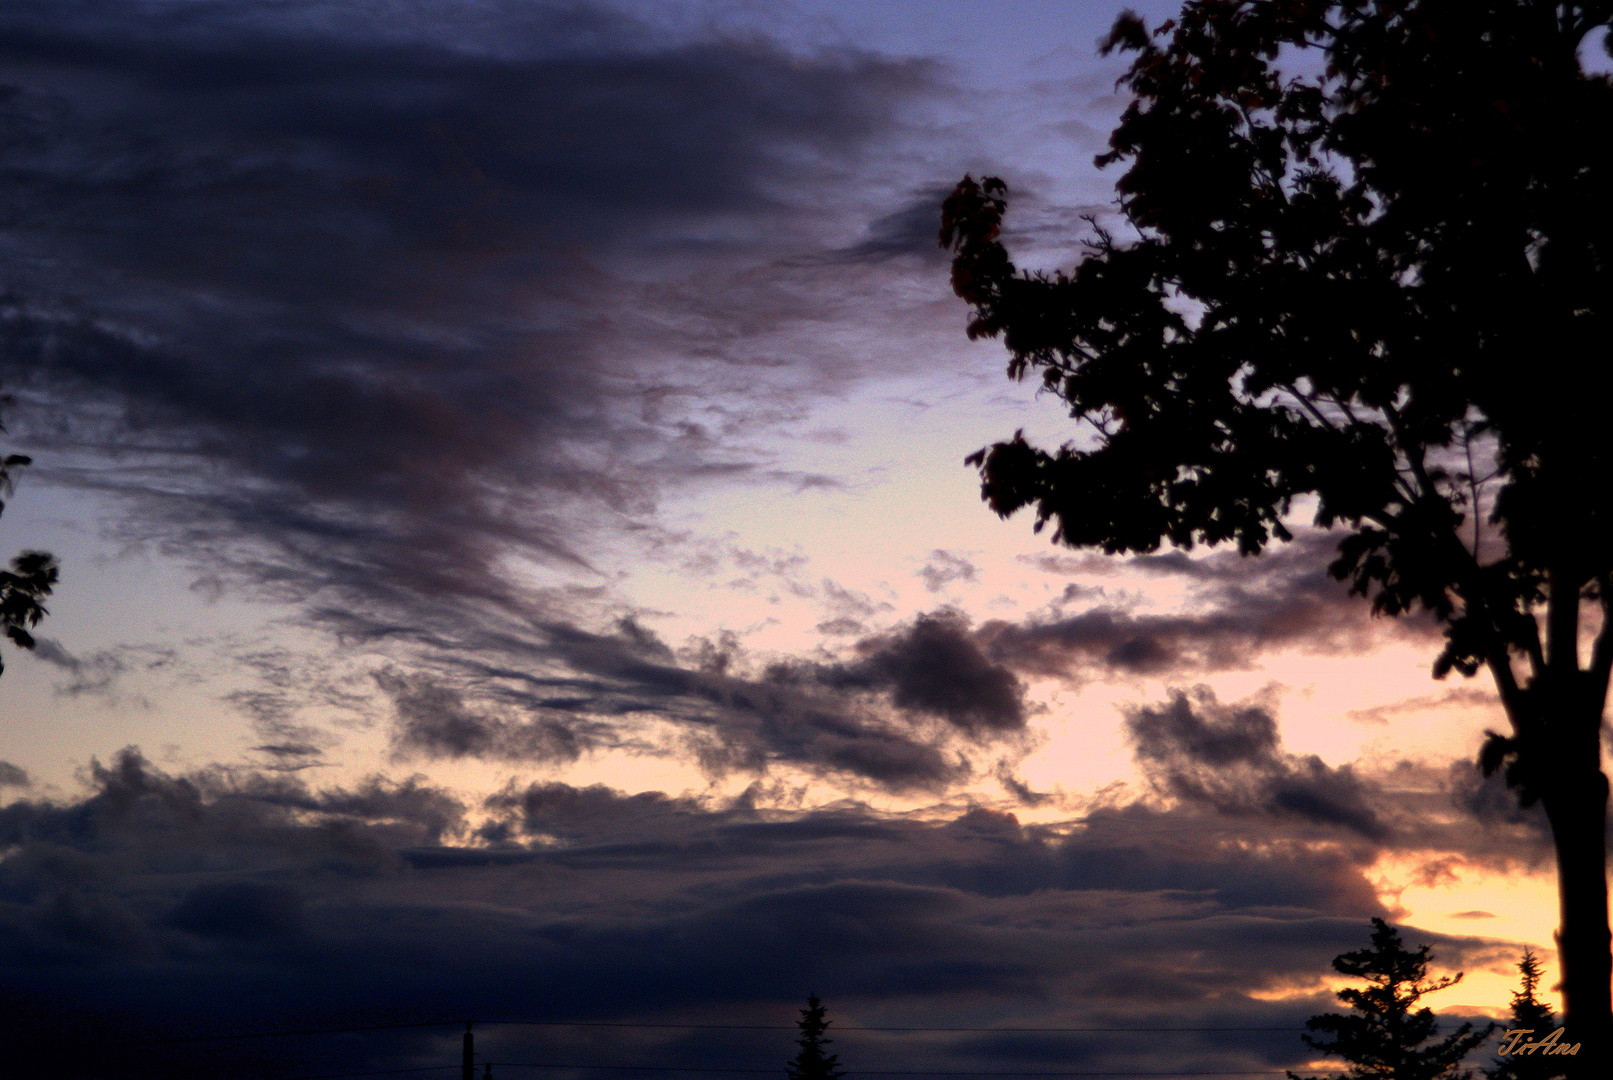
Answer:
x=864 y=716
x=147 y=896
x=345 y=266
x=98 y=673
x=351 y=310
x=943 y=568
x=909 y=231
x=1242 y=607
x=907 y=711
x=935 y=666
x=433 y=721
x=240 y=909
x=1229 y=757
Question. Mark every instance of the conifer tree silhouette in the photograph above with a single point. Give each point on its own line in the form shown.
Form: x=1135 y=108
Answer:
x=1385 y=1039
x=1372 y=284
x=1531 y=1014
x=811 y=1063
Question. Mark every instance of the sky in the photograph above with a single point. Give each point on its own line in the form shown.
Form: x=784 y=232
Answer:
x=518 y=562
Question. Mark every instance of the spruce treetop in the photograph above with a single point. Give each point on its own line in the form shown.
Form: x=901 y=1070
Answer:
x=1387 y=1038
x=1531 y=1014
x=811 y=1062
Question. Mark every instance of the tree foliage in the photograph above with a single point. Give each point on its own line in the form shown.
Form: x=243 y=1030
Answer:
x=1362 y=268
x=24 y=587
x=1530 y=1014
x=811 y=1062
x=1385 y=1039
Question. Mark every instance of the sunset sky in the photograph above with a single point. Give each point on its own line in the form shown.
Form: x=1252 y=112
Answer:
x=507 y=465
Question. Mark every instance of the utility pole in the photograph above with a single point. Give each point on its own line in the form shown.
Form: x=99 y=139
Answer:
x=467 y=1061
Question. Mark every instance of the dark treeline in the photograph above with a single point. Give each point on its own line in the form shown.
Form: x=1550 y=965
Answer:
x=1386 y=1035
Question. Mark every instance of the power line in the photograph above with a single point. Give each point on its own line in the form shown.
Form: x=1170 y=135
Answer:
x=885 y=1072
x=747 y=1027
x=304 y=1031
x=704 y=1027
x=680 y=1027
x=374 y=1072
x=757 y=1072
x=837 y=1027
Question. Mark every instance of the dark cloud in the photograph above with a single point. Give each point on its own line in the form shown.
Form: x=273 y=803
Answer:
x=161 y=906
x=908 y=231
x=360 y=311
x=352 y=310
x=1020 y=790
x=1210 y=735
x=864 y=716
x=1229 y=757
x=906 y=712
x=935 y=666
x=433 y=721
x=1241 y=607
x=553 y=809
x=239 y=909
x=1206 y=756
x=346 y=265
x=13 y=775
x=1507 y=834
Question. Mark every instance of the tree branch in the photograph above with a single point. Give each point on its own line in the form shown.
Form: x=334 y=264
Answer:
x=1320 y=417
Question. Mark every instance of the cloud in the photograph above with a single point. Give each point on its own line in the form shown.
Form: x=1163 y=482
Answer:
x=99 y=672
x=934 y=666
x=872 y=715
x=553 y=809
x=433 y=721
x=240 y=909
x=172 y=906
x=1204 y=756
x=13 y=775
x=1456 y=695
x=908 y=231
x=358 y=310
x=356 y=268
x=1239 y=608
x=905 y=711
x=1229 y=757
x=292 y=755
x=432 y=295
x=945 y=568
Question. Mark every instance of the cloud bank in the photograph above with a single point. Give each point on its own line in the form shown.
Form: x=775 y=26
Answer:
x=180 y=906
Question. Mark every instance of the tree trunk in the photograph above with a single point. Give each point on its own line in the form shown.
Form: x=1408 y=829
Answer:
x=1575 y=798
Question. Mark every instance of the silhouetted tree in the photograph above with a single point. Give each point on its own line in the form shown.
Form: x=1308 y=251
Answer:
x=32 y=574
x=1530 y=1014
x=811 y=1063
x=1379 y=288
x=1385 y=1039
